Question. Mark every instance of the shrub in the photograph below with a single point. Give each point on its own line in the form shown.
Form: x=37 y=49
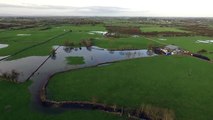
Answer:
x=12 y=76
x=53 y=52
x=150 y=47
x=94 y=100
x=211 y=52
x=87 y=43
x=5 y=75
x=202 y=51
x=155 y=113
x=68 y=43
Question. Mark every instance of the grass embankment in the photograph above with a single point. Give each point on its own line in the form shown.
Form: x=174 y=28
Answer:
x=75 y=60
x=15 y=100
x=182 y=84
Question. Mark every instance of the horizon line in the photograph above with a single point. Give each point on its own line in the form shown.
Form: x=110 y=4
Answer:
x=105 y=16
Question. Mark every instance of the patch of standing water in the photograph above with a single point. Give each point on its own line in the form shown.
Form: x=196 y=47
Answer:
x=3 y=57
x=135 y=36
x=23 y=35
x=205 y=41
x=3 y=45
x=24 y=66
x=162 y=39
x=97 y=32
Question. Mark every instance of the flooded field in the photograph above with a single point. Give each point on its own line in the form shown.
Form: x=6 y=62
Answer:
x=49 y=65
x=92 y=56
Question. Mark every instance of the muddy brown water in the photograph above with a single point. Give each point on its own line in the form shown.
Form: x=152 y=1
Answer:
x=92 y=57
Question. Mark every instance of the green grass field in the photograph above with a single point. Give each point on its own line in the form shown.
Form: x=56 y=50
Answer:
x=75 y=60
x=156 y=28
x=15 y=103
x=183 y=84
x=129 y=42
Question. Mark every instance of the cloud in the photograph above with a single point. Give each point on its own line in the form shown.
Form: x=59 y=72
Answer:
x=50 y=10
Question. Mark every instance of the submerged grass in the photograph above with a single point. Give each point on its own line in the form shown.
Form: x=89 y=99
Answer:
x=75 y=60
x=181 y=84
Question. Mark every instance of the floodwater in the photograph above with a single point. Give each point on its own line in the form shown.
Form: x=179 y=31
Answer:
x=22 y=35
x=205 y=41
x=97 y=32
x=92 y=56
x=24 y=66
x=3 y=45
x=135 y=36
x=162 y=39
x=3 y=57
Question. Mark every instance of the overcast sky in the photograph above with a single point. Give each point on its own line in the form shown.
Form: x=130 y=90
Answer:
x=165 y=8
